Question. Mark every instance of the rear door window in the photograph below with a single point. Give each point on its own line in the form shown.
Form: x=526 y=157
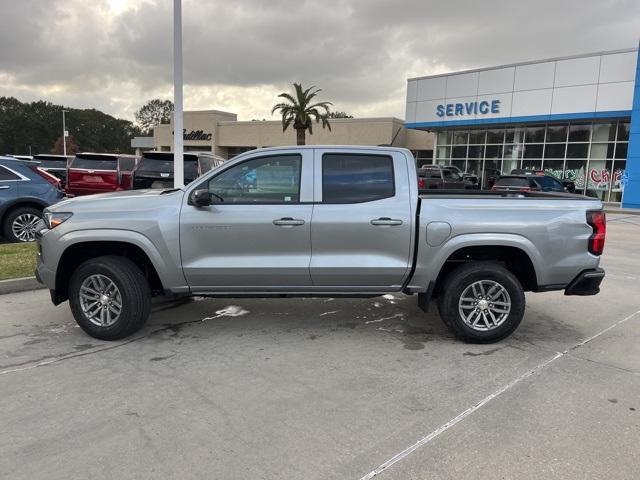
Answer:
x=356 y=178
x=549 y=184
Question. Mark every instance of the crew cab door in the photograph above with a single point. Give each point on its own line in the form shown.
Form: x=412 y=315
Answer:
x=361 y=230
x=256 y=234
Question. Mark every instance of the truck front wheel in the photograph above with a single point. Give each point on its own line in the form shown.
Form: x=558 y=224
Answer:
x=481 y=302
x=109 y=297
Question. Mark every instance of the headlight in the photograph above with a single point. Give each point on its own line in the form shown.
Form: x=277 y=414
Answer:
x=53 y=219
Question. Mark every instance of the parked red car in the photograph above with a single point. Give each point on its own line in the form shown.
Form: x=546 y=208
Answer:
x=90 y=173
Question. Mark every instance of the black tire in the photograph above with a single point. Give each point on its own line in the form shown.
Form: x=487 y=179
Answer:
x=455 y=284
x=12 y=217
x=135 y=295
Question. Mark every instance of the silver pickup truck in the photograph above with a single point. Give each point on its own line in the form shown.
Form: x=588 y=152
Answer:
x=319 y=221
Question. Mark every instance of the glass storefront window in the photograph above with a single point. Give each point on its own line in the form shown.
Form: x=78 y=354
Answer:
x=554 y=167
x=474 y=166
x=493 y=151
x=492 y=170
x=554 y=150
x=514 y=151
x=604 y=132
x=476 y=137
x=532 y=164
x=534 y=134
x=616 y=184
x=495 y=135
x=577 y=150
x=623 y=131
x=459 y=163
x=599 y=178
x=601 y=150
x=476 y=152
x=444 y=137
x=621 y=150
x=514 y=135
x=580 y=132
x=533 y=151
x=510 y=164
x=443 y=153
x=576 y=170
x=460 y=137
x=583 y=152
x=556 y=133
x=459 y=152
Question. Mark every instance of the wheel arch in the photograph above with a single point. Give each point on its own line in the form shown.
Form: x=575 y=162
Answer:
x=78 y=252
x=517 y=253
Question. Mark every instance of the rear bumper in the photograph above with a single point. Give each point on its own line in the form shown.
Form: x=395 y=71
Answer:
x=586 y=283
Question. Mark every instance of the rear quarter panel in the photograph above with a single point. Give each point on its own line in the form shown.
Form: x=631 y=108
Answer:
x=552 y=232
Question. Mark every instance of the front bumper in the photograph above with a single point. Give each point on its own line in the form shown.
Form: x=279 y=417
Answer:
x=586 y=283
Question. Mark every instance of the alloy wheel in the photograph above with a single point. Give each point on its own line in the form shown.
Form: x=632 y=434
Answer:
x=100 y=300
x=484 y=305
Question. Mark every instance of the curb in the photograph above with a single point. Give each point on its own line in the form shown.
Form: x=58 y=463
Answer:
x=23 y=284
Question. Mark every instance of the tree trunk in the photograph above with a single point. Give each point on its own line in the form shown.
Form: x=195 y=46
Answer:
x=301 y=136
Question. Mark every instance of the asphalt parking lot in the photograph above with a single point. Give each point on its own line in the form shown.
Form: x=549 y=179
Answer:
x=322 y=388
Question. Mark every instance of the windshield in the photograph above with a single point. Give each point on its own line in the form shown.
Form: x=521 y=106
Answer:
x=94 y=163
x=164 y=165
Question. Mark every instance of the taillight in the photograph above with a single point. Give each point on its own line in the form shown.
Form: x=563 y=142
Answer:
x=598 y=221
x=524 y=189
x=422 y=183
x=52 y=179
x=494 y=189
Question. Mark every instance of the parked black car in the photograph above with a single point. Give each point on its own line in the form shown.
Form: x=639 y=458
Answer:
x=155 y=169
x=528 y=182
x=567 y=183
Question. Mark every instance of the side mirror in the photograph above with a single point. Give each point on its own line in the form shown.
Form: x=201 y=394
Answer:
x=201 y=198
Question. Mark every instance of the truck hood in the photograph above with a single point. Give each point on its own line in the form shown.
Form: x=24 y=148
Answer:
x=117 y=201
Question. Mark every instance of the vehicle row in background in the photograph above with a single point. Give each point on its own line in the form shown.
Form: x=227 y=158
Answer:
x=28 y=184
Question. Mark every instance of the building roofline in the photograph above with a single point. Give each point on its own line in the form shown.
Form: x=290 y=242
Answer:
x=332 y=120
x=530 y=62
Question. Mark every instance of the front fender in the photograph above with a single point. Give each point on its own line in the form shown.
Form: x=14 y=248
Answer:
x=170 y=275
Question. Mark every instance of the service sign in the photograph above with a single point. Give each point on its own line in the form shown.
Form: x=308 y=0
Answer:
x=465 y=109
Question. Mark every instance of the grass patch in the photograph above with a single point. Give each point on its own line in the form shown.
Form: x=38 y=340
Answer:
x=17 y=260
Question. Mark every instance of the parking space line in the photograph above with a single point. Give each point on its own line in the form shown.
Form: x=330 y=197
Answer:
x=461 y=416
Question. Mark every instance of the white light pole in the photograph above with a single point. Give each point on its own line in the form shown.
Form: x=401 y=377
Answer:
x=65 y=134
x=178 y=156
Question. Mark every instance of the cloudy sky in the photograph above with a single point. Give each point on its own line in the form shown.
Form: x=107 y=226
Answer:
x=239 y=54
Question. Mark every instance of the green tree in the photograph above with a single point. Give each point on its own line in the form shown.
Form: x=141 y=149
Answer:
x=34 y=128
x=301 y=112
x=154 y=112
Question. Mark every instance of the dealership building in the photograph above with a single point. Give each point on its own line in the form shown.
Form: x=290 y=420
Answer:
x=576 y=117
x=221 y=133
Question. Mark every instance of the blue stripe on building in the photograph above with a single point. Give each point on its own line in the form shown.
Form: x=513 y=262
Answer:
x=631 y=196
x=614 y=114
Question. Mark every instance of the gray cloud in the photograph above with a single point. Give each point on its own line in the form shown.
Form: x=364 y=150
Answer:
x=239 y=55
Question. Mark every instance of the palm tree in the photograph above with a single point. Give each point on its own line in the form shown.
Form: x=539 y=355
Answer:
x=300 y=111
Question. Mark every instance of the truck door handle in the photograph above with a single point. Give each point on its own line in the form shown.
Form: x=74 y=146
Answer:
x=288 y=221
x=386 y=221
x=4 y=187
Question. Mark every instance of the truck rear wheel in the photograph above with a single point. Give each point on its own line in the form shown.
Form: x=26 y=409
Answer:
x=481 y=302
x=109 y=297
